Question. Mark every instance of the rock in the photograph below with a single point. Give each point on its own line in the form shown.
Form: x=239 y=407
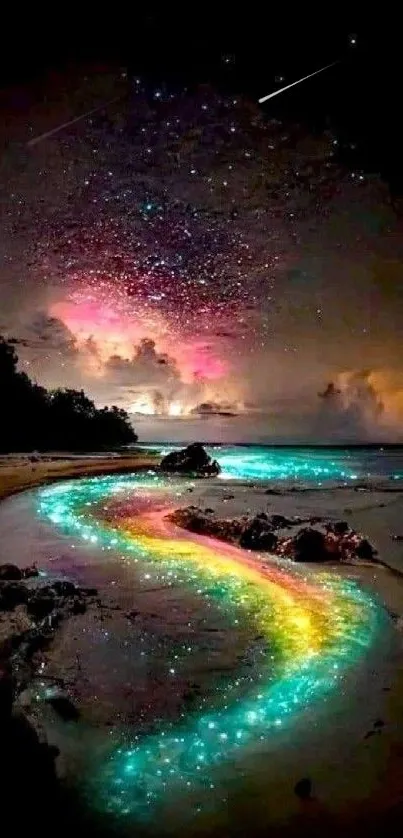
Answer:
x=365 y=550
x=258 y=535
x=79 y=606
x=309 y=545
x=279 y=522
x=41 y=604
x=34 y=640
x=64 y=707
x=12 y=594
x=303 y=788
x=63 y=588
x=338 y=527
x=30 y=572
x=195 y=520
x=192 y=460
x=10 y=572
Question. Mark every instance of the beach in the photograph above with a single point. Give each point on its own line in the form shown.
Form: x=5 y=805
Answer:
x=351 y=745
x=19 y=472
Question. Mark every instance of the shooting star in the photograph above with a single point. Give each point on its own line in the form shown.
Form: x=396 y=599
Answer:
x=282 y=89
x=36 y=140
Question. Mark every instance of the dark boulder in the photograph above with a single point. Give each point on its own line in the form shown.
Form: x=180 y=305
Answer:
x=12 y=594
x=10 y=572
x=280 y=522
x=303 y=788
x=41 y=604
x=30 y=572
x=204 y=523
x=63 y=588
x=310 y=546
x=338 y=527
x=365 y=550
x=78 y=606
x=258 y=535
x=89 y=591
x=192 y=460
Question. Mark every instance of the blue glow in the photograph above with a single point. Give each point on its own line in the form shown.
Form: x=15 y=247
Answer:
x=317 y=465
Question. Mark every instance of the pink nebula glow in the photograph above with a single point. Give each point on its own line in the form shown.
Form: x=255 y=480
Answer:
x=114 y=331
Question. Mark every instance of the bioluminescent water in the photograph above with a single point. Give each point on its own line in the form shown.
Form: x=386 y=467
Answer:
x=311 y=465
x=312 y=631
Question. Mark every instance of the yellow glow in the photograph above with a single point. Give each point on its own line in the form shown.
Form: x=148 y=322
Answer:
x=175 y=409
x=144 y=405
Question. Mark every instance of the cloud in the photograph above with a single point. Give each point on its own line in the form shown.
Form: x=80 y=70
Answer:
x=44 y=332
x=351 y=408
x=214 y=409
x=146 y=369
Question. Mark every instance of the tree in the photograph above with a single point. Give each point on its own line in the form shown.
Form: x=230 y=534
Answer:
x=64 y=419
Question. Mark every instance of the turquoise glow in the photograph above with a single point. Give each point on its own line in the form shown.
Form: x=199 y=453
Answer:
x=315 y=630
x=311 y=465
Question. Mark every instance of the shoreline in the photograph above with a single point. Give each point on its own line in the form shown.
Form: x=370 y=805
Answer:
x=377 y=513
x=20 y=473
x=384 y=748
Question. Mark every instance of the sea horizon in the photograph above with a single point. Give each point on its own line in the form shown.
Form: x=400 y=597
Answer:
x=304 y=445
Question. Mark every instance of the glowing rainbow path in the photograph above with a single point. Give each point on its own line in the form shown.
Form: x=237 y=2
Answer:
x=313 y=630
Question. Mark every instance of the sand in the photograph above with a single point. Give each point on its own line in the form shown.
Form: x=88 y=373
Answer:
x=377 y=512
x=19 y=472
x=356 y=767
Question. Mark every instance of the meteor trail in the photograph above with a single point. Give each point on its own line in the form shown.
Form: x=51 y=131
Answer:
x=36 y=140
x=282 y=89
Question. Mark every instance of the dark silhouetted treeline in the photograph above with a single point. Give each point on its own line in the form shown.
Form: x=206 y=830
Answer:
x=35 y=418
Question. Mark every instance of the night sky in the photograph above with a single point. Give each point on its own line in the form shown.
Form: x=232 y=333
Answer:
x=208 y=263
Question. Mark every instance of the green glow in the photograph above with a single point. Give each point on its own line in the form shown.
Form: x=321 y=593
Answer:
x=315 y=630
x=310 y=465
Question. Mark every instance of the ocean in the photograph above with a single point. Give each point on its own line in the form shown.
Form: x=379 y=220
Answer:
x=300 y=463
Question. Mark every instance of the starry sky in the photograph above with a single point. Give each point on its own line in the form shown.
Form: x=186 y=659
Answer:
x=221 y=269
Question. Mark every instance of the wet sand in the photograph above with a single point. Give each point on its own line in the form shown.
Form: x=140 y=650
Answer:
x=357 y=776
x=377 y=512
x=21 y=472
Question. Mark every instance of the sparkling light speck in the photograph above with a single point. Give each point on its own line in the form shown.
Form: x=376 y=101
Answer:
x=314 y=630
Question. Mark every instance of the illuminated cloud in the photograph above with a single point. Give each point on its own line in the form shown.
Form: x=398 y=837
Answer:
x=214 y=409
x=362 y=405
x=45 y=332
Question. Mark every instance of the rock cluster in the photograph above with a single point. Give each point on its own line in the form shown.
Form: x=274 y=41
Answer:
x=251 y=532
x=333 y=541
x=337 y=543
x=193 y=461
x=30 y=610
